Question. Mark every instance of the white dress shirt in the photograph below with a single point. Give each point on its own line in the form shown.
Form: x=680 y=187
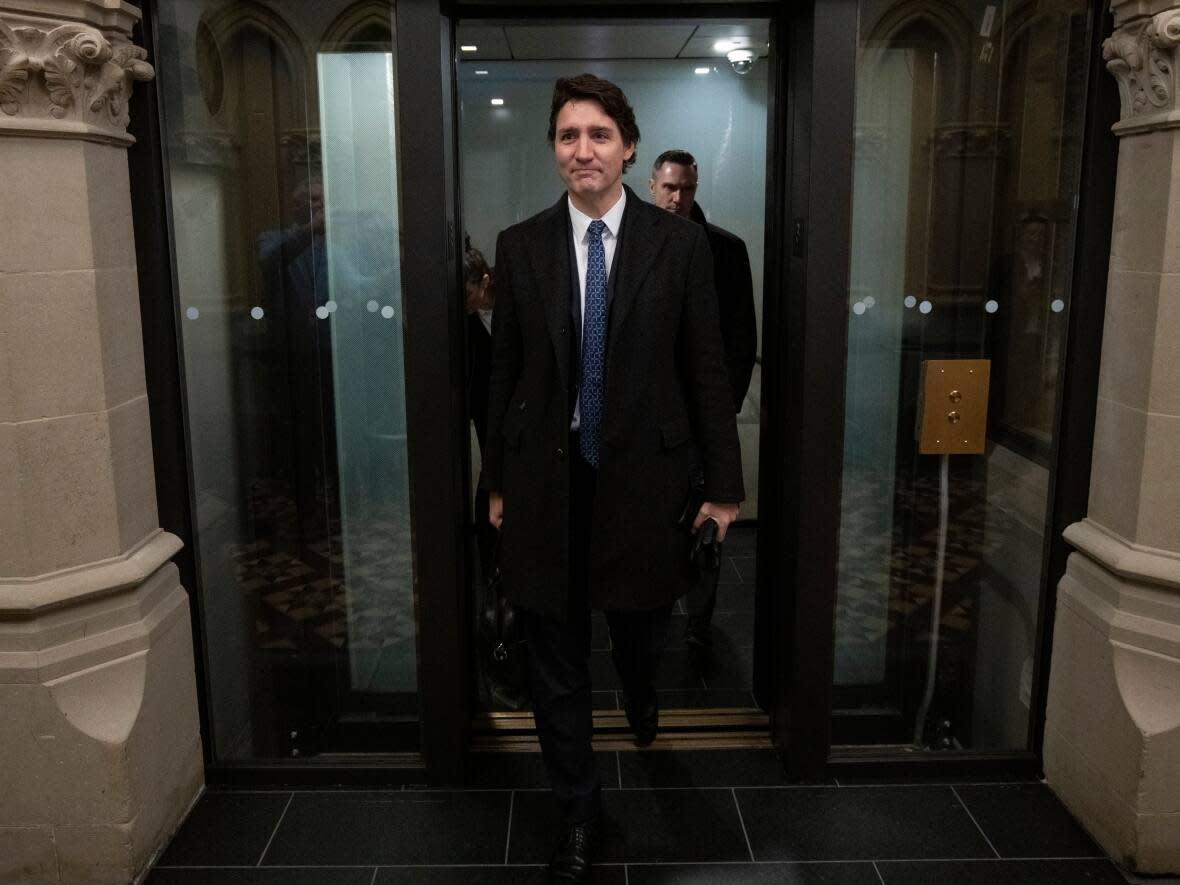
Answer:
x=613 y=218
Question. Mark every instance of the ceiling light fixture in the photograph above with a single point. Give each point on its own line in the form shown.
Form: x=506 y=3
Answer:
x=497 y=102
x=469 y=47
x=701 y=70
x=481 y=73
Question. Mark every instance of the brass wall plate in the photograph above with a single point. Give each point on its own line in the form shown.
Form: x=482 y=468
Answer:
x=952 y=407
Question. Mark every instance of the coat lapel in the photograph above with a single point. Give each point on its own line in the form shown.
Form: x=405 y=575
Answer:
x=641 y=238
x=549 y=255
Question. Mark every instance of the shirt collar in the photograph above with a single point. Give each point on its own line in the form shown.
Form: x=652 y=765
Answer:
x=613 y=218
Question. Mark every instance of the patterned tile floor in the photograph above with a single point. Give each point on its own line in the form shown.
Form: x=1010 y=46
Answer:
x=670 y=817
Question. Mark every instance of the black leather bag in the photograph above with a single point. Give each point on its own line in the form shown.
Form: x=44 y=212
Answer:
x=502 y=649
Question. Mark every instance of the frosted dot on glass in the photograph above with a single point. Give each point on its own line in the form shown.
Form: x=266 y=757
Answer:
x=330 y=306
x=910 y=301
x=925 y=307
x=387 y=312
x=992 y=306
x=372 y=306
x=192 y=313
x=870 y=301
x=858 y=308
x=257 y=313
x=1057 y=305
x=321 y=312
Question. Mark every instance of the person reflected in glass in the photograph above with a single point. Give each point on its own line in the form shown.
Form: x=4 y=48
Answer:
x=293 y=264
x=673 y=186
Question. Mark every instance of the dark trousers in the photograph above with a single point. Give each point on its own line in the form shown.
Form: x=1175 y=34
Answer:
x=559 y=663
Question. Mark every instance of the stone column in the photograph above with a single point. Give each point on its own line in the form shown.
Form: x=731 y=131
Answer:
x=1112 y=737
x=99 y=733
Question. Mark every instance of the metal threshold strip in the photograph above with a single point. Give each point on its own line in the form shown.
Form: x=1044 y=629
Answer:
x=680 y=729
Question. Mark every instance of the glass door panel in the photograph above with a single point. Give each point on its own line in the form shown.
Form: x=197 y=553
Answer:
x=968 y=133
x=280 y=127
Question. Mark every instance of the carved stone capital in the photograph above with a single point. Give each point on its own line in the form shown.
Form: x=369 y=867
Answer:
x=67 y=69
x=1142 y=56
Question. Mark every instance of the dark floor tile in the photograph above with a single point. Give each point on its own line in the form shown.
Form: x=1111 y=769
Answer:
x=729 y=573
x=702 y=768
x=392 y=828
x=745 y=568
x=501 y=875
x=704 y=698
x=1010 y=872
x=741 y=540
x=731 y=667
x=526 y=771
x=285 y=876
x=859 y=823
x=734 y=598
x=227 y=829
x=737 y=626
x=639 y=826
x=755 y=874
x=1026 y=820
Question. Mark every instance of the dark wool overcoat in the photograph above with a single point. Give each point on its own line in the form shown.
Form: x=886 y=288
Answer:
x=667 y=404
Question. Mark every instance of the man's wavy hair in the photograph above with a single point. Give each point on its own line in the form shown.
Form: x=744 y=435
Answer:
x=587 y=87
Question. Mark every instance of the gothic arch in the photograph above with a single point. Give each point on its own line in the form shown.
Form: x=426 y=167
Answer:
x=359 y=23
x=232 y=19
x=950 y=22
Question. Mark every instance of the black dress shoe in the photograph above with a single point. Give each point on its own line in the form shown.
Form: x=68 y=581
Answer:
x=574 y=855
x=644 y=720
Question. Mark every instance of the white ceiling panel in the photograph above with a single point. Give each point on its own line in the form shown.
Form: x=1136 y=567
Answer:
x=758 y=30
x=702 y=47
x=588 y=41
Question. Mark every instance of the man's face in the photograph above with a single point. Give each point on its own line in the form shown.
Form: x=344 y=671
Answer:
x=590 y=152
x=674 y=187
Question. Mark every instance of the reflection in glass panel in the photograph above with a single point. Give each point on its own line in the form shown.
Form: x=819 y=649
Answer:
x=967 y=138
x=279 y=121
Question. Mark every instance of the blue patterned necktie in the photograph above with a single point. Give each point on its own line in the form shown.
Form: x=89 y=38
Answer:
x=593 y=346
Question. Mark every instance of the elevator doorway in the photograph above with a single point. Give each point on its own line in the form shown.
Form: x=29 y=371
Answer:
x=688 y=96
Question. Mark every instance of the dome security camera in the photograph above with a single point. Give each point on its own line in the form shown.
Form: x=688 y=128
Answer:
x=741 y=60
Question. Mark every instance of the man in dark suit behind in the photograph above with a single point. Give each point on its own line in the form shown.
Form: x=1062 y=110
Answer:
x=673 y=186
x=608 y=381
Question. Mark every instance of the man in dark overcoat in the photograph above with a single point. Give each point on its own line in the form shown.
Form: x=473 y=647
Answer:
x=673 y=186
x=607 y=376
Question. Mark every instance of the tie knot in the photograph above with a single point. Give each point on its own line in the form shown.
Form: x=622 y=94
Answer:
x=597 y=228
